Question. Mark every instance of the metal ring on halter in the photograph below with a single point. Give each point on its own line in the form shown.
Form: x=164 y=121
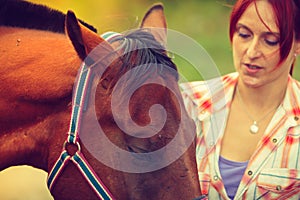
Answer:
x=72 y=144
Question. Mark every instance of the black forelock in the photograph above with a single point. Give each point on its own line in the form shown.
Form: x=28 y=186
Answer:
x=146 y=50
x=20 y=13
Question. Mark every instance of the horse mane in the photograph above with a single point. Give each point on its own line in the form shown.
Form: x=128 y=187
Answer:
x=148 y=49
x=143 y=49
x=20 y=13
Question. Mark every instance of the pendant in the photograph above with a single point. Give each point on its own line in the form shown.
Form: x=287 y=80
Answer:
x=254 y=128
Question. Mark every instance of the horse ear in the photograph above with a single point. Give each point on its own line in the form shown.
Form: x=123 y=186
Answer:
x=155 y=20
x=83 y=39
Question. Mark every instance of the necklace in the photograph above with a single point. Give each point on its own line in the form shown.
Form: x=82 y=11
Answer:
x=254 y=128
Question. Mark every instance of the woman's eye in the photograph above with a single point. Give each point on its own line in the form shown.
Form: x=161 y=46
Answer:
x=272 y=42
x=271 y=39
x=243 y=35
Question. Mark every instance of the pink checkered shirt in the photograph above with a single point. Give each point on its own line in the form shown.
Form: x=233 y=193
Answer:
x=273 y=171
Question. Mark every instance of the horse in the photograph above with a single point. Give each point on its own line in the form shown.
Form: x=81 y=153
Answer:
x=39 y=89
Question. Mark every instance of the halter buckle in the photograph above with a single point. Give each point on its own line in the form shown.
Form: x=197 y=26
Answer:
x=71 y=148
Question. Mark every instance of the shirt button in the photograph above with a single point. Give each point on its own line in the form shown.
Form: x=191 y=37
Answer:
x=296 y=118
x=278 y=188
x=274 y=140
x=216 y=177
x=250 y=172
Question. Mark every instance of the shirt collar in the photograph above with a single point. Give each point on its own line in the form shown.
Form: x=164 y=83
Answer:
x=291 y=101
x=212 y=95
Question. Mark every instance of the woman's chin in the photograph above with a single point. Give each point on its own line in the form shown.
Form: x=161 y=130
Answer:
x=250 y=81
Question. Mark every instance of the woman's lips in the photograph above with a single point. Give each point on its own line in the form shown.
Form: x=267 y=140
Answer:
x=252 y=68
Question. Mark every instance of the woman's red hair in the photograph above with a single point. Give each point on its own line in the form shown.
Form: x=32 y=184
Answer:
x=287 y=14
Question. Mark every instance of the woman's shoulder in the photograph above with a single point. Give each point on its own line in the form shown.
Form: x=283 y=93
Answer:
x=293 y=92
x=294 y=83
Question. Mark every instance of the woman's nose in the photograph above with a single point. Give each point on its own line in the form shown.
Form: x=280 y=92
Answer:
x=253 y=50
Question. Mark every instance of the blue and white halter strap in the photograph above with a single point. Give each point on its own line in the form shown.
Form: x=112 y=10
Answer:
x=73 y=135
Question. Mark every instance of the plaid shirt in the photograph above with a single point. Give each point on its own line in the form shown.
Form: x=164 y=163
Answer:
x=273 y=171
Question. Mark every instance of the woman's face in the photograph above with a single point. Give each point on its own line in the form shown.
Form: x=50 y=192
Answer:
x=256 y=52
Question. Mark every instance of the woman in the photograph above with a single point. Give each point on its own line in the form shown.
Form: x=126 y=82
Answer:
x=248 y=129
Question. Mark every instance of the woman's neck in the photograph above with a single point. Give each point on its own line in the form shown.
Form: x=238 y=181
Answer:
x=261 y=99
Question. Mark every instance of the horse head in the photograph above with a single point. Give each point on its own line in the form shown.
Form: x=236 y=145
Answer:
x=146 y=147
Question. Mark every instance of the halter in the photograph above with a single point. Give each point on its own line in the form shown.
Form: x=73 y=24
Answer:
x=78 y=158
